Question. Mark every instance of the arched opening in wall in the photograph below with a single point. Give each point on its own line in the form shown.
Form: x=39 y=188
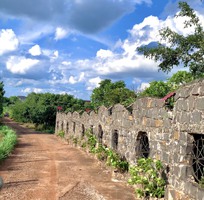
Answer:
x=115 y=140
x=67 y=128
x=74 y=127
x=100 y=134
x=91 y=129
x=198 y=157
x=142 y=145
x=57 y=125
x=62 y=128
x=82 y=130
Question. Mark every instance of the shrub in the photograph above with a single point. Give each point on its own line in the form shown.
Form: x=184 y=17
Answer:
x=8 y=141
x=148 y=175
x=61 y=134
x=116 y=161
x=91 y=141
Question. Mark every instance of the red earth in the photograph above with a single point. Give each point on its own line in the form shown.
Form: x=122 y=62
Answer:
x=44 y=167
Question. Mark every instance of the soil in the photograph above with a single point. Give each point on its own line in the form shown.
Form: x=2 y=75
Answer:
x=43 y=167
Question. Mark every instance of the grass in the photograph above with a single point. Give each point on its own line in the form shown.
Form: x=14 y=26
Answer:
x=7 y=141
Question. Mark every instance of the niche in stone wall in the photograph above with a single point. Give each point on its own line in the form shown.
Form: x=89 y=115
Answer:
x=91 y=129
x=142 y=145
x=114 y=140
x=62 y=126
x=67 y=128
x=197 y=156
x=74 y=127
x=100 y=134
x=57 y=125
x=82 y=130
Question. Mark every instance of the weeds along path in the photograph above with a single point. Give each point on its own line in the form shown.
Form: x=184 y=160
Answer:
x=45 y=168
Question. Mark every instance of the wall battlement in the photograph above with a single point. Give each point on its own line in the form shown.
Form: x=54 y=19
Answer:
x=148 y=129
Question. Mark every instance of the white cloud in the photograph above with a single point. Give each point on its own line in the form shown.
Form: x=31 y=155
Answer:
x=143 y=86
x=35 y=50
x=20 y=65
x=29 y=90
x=75 y=79
x=93 y=83
x=60 y=33
x=66 y=63
x=124 y=60
x=8 y=41
x=56 y=54
x=104 y=54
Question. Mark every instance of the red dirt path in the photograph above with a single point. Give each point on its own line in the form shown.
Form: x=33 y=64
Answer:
x=45 y=168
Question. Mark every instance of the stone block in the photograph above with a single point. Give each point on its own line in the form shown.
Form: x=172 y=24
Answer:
x=165 y=157
x=196 y=90
x=183 y=172
x=178 y=105
x=185 y=92
x=196 y=117
x=199 y=104
x=158 y=123
x=144 y=121
x=149 y=103
x=200 y=194
x=202 y=90
x=176 y=135
x=193 y=190
x=185 y=118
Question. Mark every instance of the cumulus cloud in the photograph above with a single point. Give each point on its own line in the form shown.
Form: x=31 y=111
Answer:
x=76 y=79
x=125 y=61
x=8 y=41
x=20 y=65
x=60 y=33
x=143 y=86
x=104 y=54
x=29 y=90
x=93 y=83
x=35 y=50
x=85 y=16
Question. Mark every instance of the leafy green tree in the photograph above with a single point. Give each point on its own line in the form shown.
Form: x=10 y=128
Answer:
x=109 y=93
x=187 y=50
x=41 y=109
x=156 y=89
x=179 y=78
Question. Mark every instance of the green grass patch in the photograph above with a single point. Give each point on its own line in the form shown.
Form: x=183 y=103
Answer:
x=8 y=139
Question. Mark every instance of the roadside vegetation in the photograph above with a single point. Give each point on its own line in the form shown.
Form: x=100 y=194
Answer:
x=8 y=139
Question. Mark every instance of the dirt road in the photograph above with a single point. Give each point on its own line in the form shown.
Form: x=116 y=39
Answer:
x=45 y=168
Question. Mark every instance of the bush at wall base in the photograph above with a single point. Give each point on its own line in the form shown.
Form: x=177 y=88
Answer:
x=147 y=175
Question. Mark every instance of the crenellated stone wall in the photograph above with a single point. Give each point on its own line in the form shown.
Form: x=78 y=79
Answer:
x=149 y=129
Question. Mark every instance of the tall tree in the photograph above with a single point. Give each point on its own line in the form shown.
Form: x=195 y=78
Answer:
x=1 y=96
x=187 y=50
x=156 y=89
x=109 y=93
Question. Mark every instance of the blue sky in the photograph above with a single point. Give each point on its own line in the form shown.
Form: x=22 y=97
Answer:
x=69 y=46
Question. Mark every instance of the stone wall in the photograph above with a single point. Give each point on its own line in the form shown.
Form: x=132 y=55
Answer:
x=149 y=129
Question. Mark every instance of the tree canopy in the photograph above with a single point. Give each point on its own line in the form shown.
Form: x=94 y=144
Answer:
x=109 y=93
x=42 y=108
x=187 y=50
x=161 y=88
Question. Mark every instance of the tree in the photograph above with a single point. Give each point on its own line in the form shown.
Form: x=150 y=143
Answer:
x=179 y=78
x=109 y=93
x=156 y=89
x=1 y=97
x=41 y=109
x=187 y=50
